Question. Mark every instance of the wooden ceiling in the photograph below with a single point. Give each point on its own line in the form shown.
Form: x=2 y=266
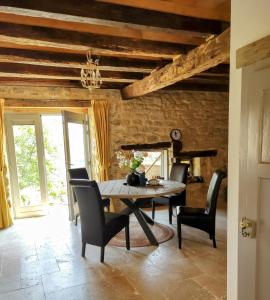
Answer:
x=143 y=45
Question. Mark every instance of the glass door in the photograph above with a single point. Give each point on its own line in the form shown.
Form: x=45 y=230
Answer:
x=76 y=140
x=27 y=167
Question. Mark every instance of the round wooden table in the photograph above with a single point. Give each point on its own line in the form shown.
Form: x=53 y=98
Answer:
x=133 y=197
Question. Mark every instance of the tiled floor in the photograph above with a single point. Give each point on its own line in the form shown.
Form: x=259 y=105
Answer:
x=40 y=259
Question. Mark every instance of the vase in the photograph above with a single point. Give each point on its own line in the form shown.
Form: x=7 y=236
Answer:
x=133 y=179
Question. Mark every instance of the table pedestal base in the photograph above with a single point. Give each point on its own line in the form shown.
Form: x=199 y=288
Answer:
x=133 y=206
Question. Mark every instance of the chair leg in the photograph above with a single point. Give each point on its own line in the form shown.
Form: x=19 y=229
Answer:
x=153 y=209
x=108 y=208
x=179 y=233
x=212 y=237
x=127 y=237
x=83 y=249
x=76 y=220
x=170 y=213
x=102 y=254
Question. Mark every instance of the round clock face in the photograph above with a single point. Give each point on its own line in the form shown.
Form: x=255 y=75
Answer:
x=176 y=134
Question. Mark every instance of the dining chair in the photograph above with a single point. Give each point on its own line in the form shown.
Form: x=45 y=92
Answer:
x=81 y=173
x=178 y=173
x=97 y=227
x=202 y=218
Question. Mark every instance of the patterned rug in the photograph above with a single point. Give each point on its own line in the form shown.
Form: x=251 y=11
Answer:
x=138 y=238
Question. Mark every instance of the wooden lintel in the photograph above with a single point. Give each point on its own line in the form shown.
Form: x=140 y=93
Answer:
x=196 y=153
x=19 y=103
x=147 y=147
x=202 y=58
x=253 y=52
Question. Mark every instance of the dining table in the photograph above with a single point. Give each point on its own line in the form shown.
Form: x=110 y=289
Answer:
x=135 y=196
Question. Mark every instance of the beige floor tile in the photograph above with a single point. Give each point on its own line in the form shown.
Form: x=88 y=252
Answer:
x=43 y=258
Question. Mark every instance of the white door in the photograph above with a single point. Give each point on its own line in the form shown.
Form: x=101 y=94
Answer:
x=26 y=163
x=254 y=253
x=76 y=140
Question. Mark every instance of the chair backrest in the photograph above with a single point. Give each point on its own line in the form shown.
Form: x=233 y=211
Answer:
x=91 y=210
x=179 y=172
x=78 y=173
x=213 y=190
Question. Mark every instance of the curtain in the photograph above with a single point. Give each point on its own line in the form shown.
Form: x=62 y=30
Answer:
x=5 y=213
x=100 y=116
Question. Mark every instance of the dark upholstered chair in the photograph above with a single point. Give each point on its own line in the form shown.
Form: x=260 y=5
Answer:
x=97 y=227
x=179 y=173
x=81 y=173
x=202 y=218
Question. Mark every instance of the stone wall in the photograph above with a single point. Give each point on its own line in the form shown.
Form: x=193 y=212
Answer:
x=201 y=116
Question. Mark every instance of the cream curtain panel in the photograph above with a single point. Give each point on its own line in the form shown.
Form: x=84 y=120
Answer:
x=100 y=117
x=5 y=213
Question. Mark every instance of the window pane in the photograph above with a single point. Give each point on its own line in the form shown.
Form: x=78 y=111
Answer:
x=54 y=158
x=27 y=164
x=76 y=145
x=152 y=164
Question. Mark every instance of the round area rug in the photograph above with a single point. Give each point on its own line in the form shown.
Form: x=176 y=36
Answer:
x=138 y=238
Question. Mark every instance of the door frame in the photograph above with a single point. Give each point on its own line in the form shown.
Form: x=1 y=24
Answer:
x=78 y=118
x=249 y=161
x=12 y=119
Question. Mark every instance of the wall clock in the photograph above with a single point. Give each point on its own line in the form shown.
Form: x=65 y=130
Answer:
x=176 y=135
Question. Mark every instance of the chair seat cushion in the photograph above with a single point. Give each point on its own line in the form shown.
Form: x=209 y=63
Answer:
x=175 y=200
x=114 y=223
x=161 y=200
x=191 y=211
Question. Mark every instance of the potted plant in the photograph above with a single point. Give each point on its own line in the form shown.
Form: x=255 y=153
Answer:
x=133 y=161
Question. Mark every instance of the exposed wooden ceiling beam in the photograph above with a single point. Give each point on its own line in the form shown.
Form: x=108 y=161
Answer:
x=4 y=81
x=207 y=55
x=37 y=58
x=98 y=26
x=40 y=72
x=30 y=82
x=120 y=13
x=59 y=72
x=43 y=39
x=207 y=9
x=59 y=77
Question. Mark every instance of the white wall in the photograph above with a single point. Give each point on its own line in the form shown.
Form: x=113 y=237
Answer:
x=250 y=21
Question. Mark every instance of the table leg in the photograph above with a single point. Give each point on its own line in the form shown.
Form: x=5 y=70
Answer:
x=147 y=218
x=148 y=232
x=142 y=218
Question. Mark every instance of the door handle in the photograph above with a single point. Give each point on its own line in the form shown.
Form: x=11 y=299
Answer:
x=248 y=228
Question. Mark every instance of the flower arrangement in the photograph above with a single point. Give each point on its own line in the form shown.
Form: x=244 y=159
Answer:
x=131 y=160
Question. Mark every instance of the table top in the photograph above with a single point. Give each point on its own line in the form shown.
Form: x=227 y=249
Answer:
x=116 y=189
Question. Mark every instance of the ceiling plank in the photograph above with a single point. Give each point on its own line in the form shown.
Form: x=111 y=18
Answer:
x=43 y=39
x=207 y=55
x=207 y=9
x=120 y=13
x=98 y=26
x=188 y=86
x=36 y=58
